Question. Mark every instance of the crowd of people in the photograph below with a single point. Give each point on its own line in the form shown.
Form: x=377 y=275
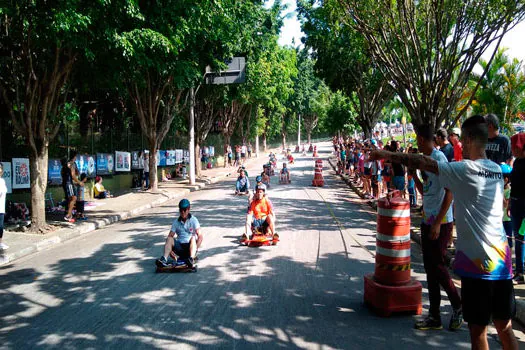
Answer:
x=237 y=155
x=472 y=177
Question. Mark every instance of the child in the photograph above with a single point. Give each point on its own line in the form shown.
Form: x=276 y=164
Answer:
x=507 y=221
x=285 y=174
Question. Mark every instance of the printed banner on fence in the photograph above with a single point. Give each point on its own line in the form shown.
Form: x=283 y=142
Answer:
x=161 y=158
x=123 y=161
x=8 y=176
x=53 y=172
x=105 y=163
x=86 y=165
x=170 y=158
x=211 y=151
x=186 y=156
x=21 y=173
x=137 y=160
x=179 y=156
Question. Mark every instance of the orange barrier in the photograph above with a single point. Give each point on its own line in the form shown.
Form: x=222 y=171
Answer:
x=318 y=174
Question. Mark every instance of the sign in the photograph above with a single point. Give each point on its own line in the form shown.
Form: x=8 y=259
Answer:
x=170 y=157
x=234 y=74
x=86 y=165
x=123 y=161
x=186 y=156
x=21 y=173
x=211 y=151
x=54 y=168
x=161 y=158
x=179 y=156
x=8 y=176
x=137 y=160
x=105 y=164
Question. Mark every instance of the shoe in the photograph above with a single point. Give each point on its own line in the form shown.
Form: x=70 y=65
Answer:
x=3 y=246
x=190 y=262
x=244 y=237
x=456 y=320
x=518 y=279
x=428 y=323
x=70 y=220
x=161 y=262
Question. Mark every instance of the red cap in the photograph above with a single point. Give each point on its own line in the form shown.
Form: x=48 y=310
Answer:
x=518 y=140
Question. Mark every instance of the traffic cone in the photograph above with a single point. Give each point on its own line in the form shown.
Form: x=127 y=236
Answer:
x=318 y=180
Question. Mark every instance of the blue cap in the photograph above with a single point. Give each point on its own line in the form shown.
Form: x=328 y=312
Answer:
x=184 y=203
x=505 y=168
x=374 y=142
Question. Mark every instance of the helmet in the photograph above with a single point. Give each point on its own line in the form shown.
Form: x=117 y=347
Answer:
x=505 y=168
x=184 y=203
x=260 y=187
x=258 y=178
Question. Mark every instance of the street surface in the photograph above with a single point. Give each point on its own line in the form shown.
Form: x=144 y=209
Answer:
x=101 y=290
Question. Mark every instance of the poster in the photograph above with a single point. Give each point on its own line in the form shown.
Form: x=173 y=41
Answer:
x=53 y=172
x=211 y=151
x=186 y=156
x=8 y=176
x=123 y=162
x=137 y=160
x=161 y=158
x=86 y=165
x=105 y=163
x=170 y=158
x=179 y=156
x=21 y=173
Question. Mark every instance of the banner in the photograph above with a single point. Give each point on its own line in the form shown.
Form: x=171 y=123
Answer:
x=86 y=165
x=123 y=161
x=179 y=156
x=211 y=151
x=170 y=158
x=54 y=176
x=105 y=163
x=8 y=176
x=21 y=173
x=186 y=156
x=137 y=160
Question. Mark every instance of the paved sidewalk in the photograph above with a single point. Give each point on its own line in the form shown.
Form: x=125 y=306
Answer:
x=416 y=237
x=104 y=212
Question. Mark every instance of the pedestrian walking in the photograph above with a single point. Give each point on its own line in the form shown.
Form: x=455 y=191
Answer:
x=146 y=172
x=436 y=230
x=3 y=194
x=483 y=258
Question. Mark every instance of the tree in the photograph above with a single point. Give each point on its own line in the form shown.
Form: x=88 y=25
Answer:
x=39 y=46
x=340 y=114
x=343 y=61
x=428 y=49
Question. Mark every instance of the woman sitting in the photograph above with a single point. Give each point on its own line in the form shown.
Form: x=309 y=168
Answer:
x=100 y=191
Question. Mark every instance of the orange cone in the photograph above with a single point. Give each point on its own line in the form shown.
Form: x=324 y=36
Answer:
x=318 y=180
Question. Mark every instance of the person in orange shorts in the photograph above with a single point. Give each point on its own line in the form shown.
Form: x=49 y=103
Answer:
x=260 y=213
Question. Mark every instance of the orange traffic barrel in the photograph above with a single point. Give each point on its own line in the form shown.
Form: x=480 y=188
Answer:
x=393 y=241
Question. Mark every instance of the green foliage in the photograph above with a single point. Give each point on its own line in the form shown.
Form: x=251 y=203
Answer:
x=340 y=114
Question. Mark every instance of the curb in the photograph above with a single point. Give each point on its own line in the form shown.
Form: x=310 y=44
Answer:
x=414 y=236
x=80 y=229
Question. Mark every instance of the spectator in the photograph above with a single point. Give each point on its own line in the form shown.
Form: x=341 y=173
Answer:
x=517 y=200
x=398 y=171
x=444 y=145
x=249 y=150
x=498 y=148
x=506 y=170
x=3 y=194
x=455 y=134
x=100 y=191
x=483 y=259
x=244 y=150
x=69 y=192
x=436 y=230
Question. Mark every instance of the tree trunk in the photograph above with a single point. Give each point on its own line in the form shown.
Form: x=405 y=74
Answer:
x=227 y=139
x=309 y=137
x=264 y=141
x=283 y=135
x=198 y=163
x=367 y=129
x=153 y=178
x=38 y=164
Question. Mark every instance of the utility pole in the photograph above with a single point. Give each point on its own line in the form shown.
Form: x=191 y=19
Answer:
x=192 y=136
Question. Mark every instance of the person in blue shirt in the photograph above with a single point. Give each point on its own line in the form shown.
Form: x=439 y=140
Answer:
x=243 y=184
x=183 y=240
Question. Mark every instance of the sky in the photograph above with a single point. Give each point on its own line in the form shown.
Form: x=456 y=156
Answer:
x=513 y=40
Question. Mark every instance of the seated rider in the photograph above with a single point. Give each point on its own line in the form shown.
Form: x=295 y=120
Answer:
x=285 y=174
x=260 y=213
x=243 y=183
x=265 y=178
x=184 y=238
x=242 y=169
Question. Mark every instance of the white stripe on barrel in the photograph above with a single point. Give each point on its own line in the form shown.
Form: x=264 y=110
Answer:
x=393 y=253
x=394 y=213
x=389 y=238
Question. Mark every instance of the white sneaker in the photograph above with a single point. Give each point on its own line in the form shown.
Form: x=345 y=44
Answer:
x=3 y=246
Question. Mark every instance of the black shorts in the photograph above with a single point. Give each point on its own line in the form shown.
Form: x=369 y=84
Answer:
x=68 y=191
x=182 y=250
x=484 y=300
x=367 y=172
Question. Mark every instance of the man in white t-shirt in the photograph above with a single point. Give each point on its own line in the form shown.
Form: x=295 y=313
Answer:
x=436 y=230
x=483 y=257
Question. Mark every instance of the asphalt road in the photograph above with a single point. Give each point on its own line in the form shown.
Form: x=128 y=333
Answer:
x=101 y=291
